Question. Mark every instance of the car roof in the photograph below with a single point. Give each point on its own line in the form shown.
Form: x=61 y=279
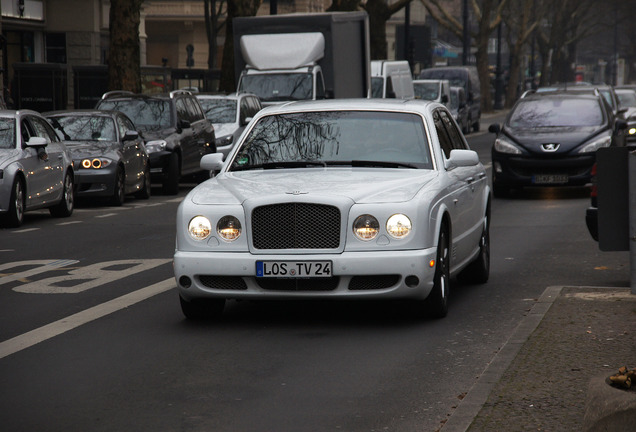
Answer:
x=82 y=112
x=122 y=94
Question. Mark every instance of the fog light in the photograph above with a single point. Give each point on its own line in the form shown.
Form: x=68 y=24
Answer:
x=412 y=281
x=185 y=281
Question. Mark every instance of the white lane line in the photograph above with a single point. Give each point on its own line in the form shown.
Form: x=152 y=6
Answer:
x=106 y=215
x=26 y=230
x=69 y=223
x=71 y=322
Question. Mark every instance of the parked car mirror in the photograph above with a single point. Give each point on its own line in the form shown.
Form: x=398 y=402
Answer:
x=184 y=124
x=462 y=158
x=494 y=128
x=246 y=120
x=131 y=135
x=620 y=125
x=444 y=99
x=37 y=142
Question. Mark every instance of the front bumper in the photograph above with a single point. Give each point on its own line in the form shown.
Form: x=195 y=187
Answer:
x=395 y=274
x=95 y=182
x=158 y=161
x=519 y=171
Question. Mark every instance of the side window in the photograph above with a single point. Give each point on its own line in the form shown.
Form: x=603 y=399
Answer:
x=456 y=138
x=26 y=131
x=182 y=110
x=43 y=129
x=390 y=93
x=320 y=86
x=244 y=110
x=122 y=126
x=444 y=140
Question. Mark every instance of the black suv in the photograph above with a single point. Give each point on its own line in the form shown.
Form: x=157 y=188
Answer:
x=176 y=132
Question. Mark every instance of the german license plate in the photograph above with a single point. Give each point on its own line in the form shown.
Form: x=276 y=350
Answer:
x=549 y=178
x=293 y=269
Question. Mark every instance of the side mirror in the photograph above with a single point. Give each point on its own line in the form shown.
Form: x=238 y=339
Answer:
x=37 y=142
x=184 y=124
x=462 y=158
x=494 y=128
x=212 y=162
x=245 y=121
x=444 y=99
x=620 y=125
x=131 y=135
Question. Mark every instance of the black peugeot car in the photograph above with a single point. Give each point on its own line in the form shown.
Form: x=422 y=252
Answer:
x=551 y=140
x=176 y=132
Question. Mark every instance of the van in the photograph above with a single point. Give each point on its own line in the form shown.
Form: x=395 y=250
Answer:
x=391 y=79
x=461 y=76
x=433 y=90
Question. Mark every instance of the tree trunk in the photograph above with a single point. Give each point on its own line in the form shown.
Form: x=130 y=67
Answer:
x=235 y=8
x=124 y=58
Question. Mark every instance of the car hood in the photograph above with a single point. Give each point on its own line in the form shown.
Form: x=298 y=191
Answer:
x=361 y=185
x=568 y=138
x=223 y=129
x=81 y=149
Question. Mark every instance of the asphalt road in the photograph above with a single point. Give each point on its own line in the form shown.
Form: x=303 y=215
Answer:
x=92 y=336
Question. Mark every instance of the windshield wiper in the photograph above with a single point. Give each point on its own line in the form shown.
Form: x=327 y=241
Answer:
x=367 y=163
x=281 y=164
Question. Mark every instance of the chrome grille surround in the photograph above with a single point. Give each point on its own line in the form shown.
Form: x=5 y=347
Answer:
x=296 y=225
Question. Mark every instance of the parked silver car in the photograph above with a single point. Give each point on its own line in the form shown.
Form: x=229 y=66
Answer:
x=109 y=155
x=368 y=198
x=229 y=115
x=36 y=168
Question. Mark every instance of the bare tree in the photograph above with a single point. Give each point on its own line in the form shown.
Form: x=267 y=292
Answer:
x=379 y=11
x=235 y=8
x=488 y=15
x=214 y=10
x=124 y=58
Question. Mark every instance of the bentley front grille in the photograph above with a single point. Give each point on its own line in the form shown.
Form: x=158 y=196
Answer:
x=296 y=226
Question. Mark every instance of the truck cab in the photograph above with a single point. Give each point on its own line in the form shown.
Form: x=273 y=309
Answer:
x=391 y=79
x=283 y=85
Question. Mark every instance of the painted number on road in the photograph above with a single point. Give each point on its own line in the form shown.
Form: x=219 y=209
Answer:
x=76 y=280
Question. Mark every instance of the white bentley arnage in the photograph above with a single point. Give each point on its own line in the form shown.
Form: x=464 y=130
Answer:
x=336 y=199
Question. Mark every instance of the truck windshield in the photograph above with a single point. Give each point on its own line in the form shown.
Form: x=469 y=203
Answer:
x=278 y=87
x=377 y=85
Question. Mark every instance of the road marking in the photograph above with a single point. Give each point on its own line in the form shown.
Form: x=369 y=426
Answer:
x=84 y=278
x=106 y=215
x=26 y=230
x=69 y=223
x=71 y=322
x=44 y=266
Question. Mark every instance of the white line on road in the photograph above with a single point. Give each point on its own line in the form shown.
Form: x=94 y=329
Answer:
x=56 y=328
x=26 y=230
x=69 y=223
x=106 y=215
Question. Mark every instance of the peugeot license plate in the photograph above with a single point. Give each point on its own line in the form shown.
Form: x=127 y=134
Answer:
x=293 y=269
x=549 y=178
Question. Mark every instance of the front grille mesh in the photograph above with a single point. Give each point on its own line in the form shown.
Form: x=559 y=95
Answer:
x=375 y=282
x=230 y=283
x=317 y=284
x=296 y=226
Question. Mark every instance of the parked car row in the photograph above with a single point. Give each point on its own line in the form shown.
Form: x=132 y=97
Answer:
x=113 y=151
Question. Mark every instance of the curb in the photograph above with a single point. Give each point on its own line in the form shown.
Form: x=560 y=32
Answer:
x=463 y=416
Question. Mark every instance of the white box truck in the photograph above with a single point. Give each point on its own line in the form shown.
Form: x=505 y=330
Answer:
x=303 y=56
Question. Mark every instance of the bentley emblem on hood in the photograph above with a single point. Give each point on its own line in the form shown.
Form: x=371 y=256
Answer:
x=550 y=147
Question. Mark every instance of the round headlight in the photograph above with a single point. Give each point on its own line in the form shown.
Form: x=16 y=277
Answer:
x=199 y=228
x=229 y=228
x=398 y=226
x=366 y=227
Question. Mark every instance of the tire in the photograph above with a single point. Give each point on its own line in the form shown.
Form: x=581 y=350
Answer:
x=170 y=185
x=201 y=309
x=476 y=126
x=144 y=192
x=119 y=193
x=65 y=207
x=478 y=271
x=15 y=216
x=437 y=300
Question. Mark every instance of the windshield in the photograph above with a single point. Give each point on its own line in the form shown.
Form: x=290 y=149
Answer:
x=627 y=98
x=219 y=110
x=84 y=128
x=7 y=133
x=549 y=112
x=426 y=91
x=337 y=138
x=278 y=87
x=456 y=78
x=454 y=100
x=146 y=114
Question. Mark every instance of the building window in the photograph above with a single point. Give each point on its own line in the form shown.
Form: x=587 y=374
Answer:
x=55 y=47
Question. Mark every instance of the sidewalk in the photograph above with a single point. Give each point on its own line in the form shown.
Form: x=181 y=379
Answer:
x=557 y=359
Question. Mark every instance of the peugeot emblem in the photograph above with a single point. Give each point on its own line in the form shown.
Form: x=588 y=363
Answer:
x=550 y=147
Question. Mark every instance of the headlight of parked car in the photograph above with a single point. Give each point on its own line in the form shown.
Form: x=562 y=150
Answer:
x=155 y=146
x=95 y=163
x=398 y=226
x=503 y=146
x=366 y=227
x=596 y=144
x=199 y=228
x=229 y=228
x=224 y=141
